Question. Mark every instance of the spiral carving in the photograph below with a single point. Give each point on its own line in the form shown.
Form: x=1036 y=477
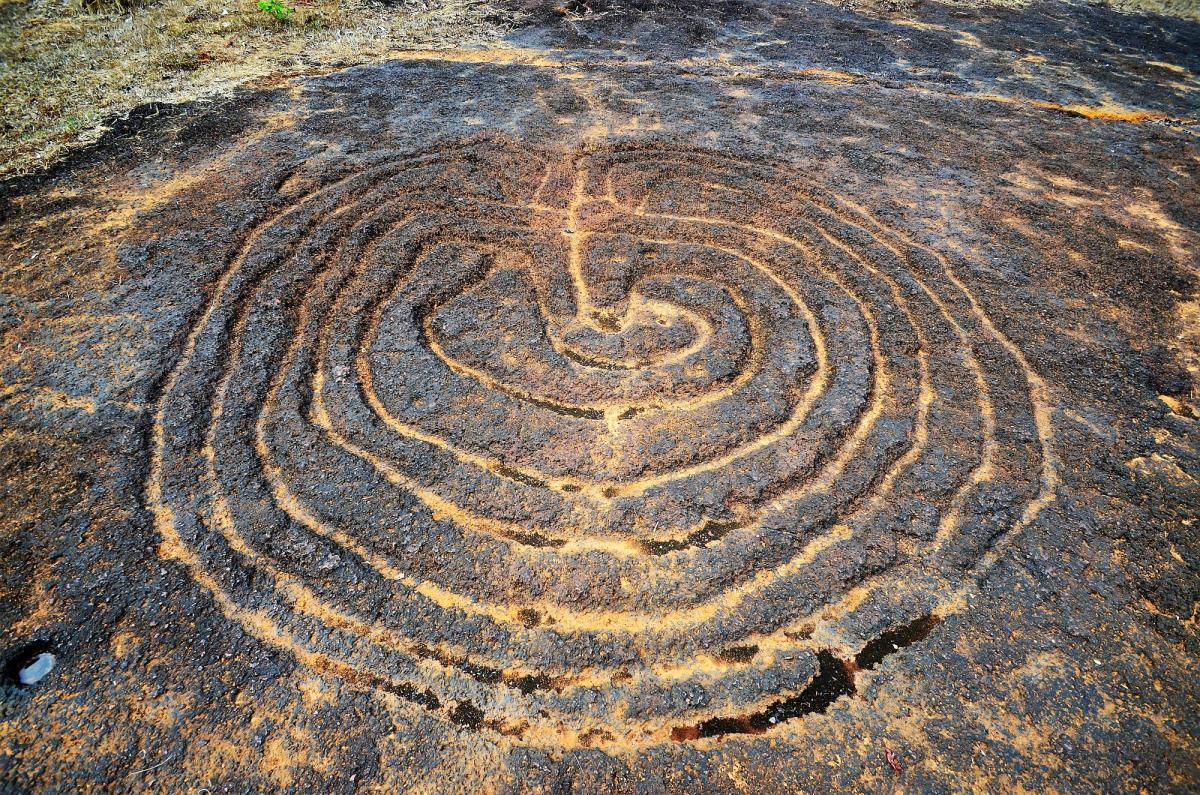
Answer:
x=577 y=446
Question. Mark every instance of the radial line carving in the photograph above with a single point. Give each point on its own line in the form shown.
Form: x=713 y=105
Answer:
x=535 y=437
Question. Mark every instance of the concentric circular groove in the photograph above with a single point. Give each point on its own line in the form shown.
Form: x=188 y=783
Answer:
x=548 y=432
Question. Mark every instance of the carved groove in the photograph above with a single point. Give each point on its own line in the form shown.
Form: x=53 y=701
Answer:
x=552 y=442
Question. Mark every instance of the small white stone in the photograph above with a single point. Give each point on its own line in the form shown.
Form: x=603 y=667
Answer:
x=33 y=673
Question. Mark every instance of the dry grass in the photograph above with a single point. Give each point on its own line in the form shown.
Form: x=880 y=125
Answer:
x=67 y=65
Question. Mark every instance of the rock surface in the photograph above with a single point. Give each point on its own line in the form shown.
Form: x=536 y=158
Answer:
x=763 y=397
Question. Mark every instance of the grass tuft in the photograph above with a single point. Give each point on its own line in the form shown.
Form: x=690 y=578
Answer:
x=66 y=66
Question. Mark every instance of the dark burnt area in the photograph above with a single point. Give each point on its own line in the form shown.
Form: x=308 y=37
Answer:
x=404 y=691
x=588 y=361
x=567 y=411
x=533 y=682
x=738 y=654
x=180 y=131
x=893 y=641
x=490 y=675
x=803 y=633
x=1105 y=49
x=535 y=540
x=835 y=678
x=593 y=737
x=709 y=532
x=467 y=714
x=464 y=713
x=513 y=474
x=529 y=617
x=1168 y=374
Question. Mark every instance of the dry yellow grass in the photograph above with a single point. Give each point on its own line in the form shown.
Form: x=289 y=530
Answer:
x=68 y=65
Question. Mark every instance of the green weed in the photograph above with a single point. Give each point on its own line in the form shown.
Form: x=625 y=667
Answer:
x=276 y=8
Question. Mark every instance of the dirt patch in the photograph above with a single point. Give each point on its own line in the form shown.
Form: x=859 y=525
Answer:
x=72 y=66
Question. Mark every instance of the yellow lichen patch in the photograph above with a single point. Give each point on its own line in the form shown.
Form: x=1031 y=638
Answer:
x=1171 y=66
x=968 y=39
x=1160 y=466
x=48 y=399
x=491 y=55
x=1150 y=213
x=1176 y=405
x=1104 y=112
x=125 y=643
x=831 y=76
x=317 y=691
x=1107 y=112
x=284 y=752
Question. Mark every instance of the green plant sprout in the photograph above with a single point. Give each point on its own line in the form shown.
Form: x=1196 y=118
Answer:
x=276 y=8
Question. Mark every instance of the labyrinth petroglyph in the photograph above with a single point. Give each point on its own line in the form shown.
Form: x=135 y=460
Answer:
x=707 y=398
x=610 y=444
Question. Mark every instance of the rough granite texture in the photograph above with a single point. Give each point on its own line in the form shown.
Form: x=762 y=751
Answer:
x=753 y=398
